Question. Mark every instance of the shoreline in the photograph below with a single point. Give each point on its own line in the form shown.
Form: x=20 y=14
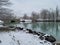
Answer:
x=42 y=21
x=47 y=20
x=42 y=36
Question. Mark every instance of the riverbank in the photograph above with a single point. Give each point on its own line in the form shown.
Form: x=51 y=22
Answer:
x=21 y=38
x=41 y=36
x=27 y=30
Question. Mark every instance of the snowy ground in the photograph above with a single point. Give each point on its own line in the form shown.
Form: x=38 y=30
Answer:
x=21 y=38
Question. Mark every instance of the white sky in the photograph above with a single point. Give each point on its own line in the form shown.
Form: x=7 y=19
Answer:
x=27 y=6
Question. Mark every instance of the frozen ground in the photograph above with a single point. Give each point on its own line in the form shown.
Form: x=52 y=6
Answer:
x=21 y=38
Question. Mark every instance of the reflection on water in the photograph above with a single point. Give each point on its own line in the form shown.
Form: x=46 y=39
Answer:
x=52 y=28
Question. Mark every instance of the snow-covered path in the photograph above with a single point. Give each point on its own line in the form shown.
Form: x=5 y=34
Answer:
x=21 y=38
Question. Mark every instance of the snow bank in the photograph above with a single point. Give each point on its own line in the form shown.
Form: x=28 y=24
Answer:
x=21 y=38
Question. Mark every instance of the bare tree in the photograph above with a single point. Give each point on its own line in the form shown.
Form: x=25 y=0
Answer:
x=5 y=13
x=34 y=16
x=25 y=16
x=45 y=14
x=57 y=13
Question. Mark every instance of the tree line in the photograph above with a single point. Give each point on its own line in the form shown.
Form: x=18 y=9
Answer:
x=6 y=14
x=44 y=14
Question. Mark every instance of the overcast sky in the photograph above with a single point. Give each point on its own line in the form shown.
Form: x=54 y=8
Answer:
x=27 y=6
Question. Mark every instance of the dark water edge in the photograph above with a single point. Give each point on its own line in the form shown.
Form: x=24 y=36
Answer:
x=47 y=20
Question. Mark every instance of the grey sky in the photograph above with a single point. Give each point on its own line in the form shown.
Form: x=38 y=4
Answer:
x=27 y=6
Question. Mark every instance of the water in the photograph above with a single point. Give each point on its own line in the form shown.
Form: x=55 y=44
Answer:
x=52 y=28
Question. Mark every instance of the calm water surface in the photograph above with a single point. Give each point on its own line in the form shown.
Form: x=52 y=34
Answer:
x=52 y=28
